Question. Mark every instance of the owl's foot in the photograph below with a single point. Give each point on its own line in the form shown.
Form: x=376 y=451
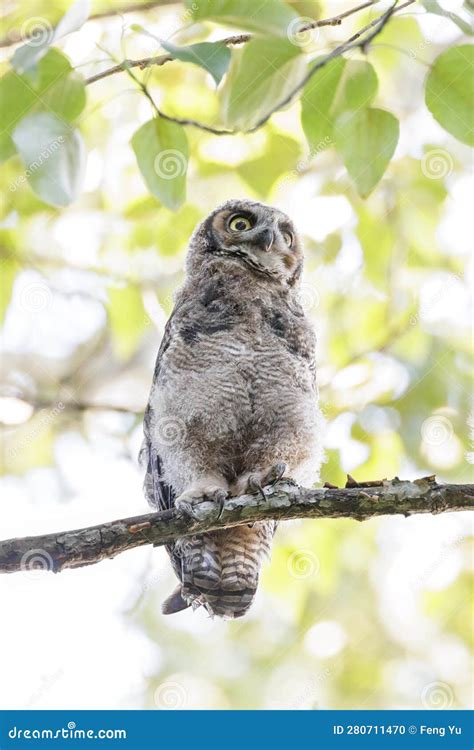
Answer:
x=254 y=481
x=211 y=488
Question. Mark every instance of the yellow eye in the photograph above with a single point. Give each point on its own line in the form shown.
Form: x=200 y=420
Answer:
x=239 y=224
x=288 y=238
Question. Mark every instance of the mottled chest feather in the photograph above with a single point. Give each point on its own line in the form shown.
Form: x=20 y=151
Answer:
x=227 y=304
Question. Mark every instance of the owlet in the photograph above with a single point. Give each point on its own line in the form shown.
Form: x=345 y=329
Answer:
x=233 y=404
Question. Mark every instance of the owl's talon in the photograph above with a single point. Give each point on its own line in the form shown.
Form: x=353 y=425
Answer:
x=253 y=482
x=276 y=473
x=220 y=496
x=185 y=507
x=255 y=486
x=207 y=489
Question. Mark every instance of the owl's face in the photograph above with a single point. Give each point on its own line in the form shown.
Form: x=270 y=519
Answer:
x=258 y=236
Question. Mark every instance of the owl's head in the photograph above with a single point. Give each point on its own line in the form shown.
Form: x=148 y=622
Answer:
x=259 y=237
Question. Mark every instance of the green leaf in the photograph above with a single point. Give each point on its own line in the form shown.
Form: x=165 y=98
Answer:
x=127 y=317
x=449 y=92
x=338 y=86
x=281 y=155
x=53 y=154
x=357 y=87
x=366 y=139
x=161 y=149
x=172 y=230
x=377 y=246
x=58 y=86
x=7 y=147
x=43 y=35
x=8 y=271
x=271 y=17
x=261 y=75
x=316 y=100
x=212 y=56
x=53 y=85
x=432 y=6
x=16 y=98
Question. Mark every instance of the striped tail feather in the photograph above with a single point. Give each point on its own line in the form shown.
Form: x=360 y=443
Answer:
x=220 y=570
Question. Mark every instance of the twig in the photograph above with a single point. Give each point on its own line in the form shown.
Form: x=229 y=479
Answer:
x=230 y=41
x=284 y=501
x=82 y=406
x=353 y=42
x=145 y=62
x=15 y=36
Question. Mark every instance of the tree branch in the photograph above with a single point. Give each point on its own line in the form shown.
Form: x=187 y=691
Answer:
x=230 y=41
x=357 y=41
x=15 y=36
x=284 y=501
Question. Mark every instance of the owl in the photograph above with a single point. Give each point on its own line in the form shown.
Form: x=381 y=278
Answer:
x=233 y=405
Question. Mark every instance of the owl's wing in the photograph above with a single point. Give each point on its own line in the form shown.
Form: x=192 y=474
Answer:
x=161 y=496
x=158 y=493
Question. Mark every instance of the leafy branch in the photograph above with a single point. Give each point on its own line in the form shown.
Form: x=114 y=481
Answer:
x=284 y=501
x=159 y=60
x=358 y=40
x=262 y=77
x=230 y=41
x=16 y=36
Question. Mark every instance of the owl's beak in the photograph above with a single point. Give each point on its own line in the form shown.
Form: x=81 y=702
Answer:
x=265 y=239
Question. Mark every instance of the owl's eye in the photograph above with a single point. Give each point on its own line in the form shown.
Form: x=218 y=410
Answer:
x=240 y=224
x=288 y=237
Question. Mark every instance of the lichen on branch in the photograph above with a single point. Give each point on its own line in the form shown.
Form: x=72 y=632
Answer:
x=283 y=501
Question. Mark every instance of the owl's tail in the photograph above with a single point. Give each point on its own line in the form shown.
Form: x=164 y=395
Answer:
x=174 y=602
x=220 y=570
